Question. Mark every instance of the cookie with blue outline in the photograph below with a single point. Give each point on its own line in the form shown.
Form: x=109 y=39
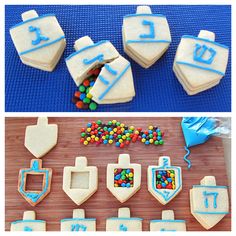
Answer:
x=146 y=36
x=28 y=223
x=33 y=197
x=200 y=62
x=39 y=40
x=78 y=222
x=209 y=202
x=168 y=223
x=124 y=222
x=164 y=180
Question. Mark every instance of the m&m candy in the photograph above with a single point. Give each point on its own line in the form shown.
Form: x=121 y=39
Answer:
x=123 y=177
x=165 y=179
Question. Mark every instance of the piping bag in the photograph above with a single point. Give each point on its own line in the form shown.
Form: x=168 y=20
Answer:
x=197 y=130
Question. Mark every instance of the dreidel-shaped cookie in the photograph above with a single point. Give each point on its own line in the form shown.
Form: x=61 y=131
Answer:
x=124 y=222
x=115 y=83
x=124 y=178
x=146 y=36
x=168 y=223
x=29 y=223
x=164 y=180
x=39 y=40
x=33 y=197
x=80 y=182
x=41 y=138
x=209 y=202
x=78 y=222
x=89 y=55
x=200 y=62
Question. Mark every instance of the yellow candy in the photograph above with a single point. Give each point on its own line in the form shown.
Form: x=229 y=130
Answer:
x=131 y=127
x=115 y=129
x=114 y=121
x=173 y=186
x=122 y=129
x=143 y=140
x=172 y=175
x=151 y=140
x=103 y=137
x=130 y=174
x=116 y=185
x=150 y=127
x=136 y=132
x=120 y=140
x=122 y=125
x=123 y=136
x=128 y=134
x=110 y=141
x=85 y=142
x=97 y=138
x=111 y=132
x=88 y=129
x=88 y=139
x=93 y=136
x=166 y=182
x=89 y=95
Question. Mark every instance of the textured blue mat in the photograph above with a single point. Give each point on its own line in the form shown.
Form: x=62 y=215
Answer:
x=157 y=89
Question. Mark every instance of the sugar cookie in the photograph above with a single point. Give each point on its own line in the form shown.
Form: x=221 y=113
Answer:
x=200 y=62
x=41 y=138
x=124 y=178
x=31 y=196
x=78 y=222
x=124 y=222
x=168 y=223
x=164 y=180
x=39 y=40
x=29 y=223
x=80 y=182
x=146 y=36
x=209 y=203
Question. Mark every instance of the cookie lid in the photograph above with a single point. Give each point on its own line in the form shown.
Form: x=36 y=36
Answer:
x=29 y=15
x=205 y=34
x=168 y=215
x=29 y=215
x=208 y=181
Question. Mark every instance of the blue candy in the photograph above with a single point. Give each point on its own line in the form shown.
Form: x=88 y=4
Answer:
x=128 y=185
x=82 y=96
x=117 y=144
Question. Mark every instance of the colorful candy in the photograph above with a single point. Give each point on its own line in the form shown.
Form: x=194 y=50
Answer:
x=165 y=179
x=123 y=177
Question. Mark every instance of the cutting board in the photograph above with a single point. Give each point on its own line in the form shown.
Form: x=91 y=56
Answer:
x=207 y=159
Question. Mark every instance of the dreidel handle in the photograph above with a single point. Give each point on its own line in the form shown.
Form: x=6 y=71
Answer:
x=205 y=34
x=81 y=162
x=143 y=10
x=168 y=215
x=42 y=121
x=29 y=15
x=124 y=159
x=124 y=212
x=82 y=43
x=79 y=213
x=29 y=215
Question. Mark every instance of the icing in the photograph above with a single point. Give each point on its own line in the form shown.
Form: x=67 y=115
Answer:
x=31 y=195
x=212 y=213
x=165 y=162
x=151 y=28
x=200 y=67
x=110 y=86
x=78 y=219
x=169 y=221
x=124 y=218
x=26 y=228
x=78 y=227
x=214 y=194
x=205 y=40
x=28 y=221
x=148 y=41
x=144 y=14
x=200 y=51
x=123 y=227
x=168 y=230
x=41 y=46
x=86 y=48
x=99 y=58
x=32 y=19
x=106 y=82
x=208 y=186
x=186 y=157
x=112 y=71
x=39 y=36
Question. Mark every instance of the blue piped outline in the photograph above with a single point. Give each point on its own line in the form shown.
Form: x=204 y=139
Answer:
x=85 y=48
x=170 y=221
x=211 y=212
x=144 y=14
x=42 y=46
x=30 y=20
x=28 y=221
x=148 y=41
x=78 y=219
x=113 y=82
x=205 y=40
x=209 y=186
x=200 y=67
x=169 y=196
x=124 y=218
x=23 y=182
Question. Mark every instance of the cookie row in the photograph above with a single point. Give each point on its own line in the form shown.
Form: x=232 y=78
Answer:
x=124 y=222
x=200 y=62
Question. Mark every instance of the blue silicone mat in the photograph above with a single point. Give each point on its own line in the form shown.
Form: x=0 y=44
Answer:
x=31 y=90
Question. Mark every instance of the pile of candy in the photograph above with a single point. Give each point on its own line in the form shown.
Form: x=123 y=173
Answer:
x=165 y=179
x=120 y=134
x=123 y=177
x=82 y=98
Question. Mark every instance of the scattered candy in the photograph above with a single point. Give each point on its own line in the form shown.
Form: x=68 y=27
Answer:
x=165 y=179
x=123 y=177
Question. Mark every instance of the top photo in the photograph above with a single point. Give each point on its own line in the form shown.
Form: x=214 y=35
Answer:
x=118 y=58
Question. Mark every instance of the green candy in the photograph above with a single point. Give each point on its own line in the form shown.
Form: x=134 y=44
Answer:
x=119 y=136
x=107 y=136
x=158 y=176
x=130 y=178
x=159 y=133
x=109 y=122
x=161 y=142
x=128 y=138
x=150 y=136
x=92 y=106
x=156 y=142
x=117 y=123
x=86 y=100
x=81 y=88
x=105 y=128
x=99 y=122
x=123 y=172
x=123 y=177
x=83 y=134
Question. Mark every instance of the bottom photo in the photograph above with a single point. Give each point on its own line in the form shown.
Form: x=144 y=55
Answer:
x=118 y=174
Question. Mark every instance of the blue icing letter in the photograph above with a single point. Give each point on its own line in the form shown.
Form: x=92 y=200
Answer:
x=99 y=58
x=39 y=36
x=26 y=228
x=123 y=227
x=200 y=51
x=35 y=165
x=78 y=227
x=206 y=202
x=165 y=162
x=151 y=28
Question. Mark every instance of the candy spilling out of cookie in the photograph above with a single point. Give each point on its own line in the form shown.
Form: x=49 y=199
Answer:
x=146 y=36
x=123 y=178
x=29 y=223
x=120 y=134
x=200 y=62
x=39 y=40
x=168 y=223
x=115 y=74
x=124 y=222
x=209 y=202
x=164 y=180
x=78 y=222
